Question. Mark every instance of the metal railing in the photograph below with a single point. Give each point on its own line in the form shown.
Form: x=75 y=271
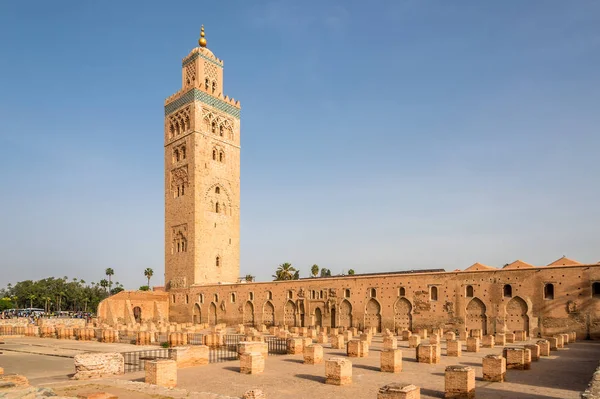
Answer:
x=222 y=354
x=276 y=346
x=195 y=339
x=136 y=361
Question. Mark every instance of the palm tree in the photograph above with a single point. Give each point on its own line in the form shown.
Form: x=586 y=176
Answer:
x=249 y=278
x=109 y=272
x=148 y=273
x=104 y=283
x=314 y=270
x=285 y=271
x=31 y=298
x=46 y=299
x=85 y=301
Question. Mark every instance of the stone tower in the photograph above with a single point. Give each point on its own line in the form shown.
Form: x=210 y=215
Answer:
x=202 y=176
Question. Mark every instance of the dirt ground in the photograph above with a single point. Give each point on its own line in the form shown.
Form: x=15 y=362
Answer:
x=561 y=376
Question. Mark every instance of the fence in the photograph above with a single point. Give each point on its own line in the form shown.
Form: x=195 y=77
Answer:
x=222 y=354
x=136 y=361
x=276 y=346
x=195 y=339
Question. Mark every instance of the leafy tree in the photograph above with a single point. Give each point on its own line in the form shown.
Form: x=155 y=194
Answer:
x=351 y=272
x=104 y=284
x=249 y=278
x=109 y=272
x=31 y=298
x=285 y=271
x=314 y=270
x=325 y=272
x=144 y=288
x=5 y=303
x=116 y=290
x=148 y=273
x=296 y=275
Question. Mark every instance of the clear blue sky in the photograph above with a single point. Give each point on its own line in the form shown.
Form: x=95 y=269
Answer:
x=379 y=136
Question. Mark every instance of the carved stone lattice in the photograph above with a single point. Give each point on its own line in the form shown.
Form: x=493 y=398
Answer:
x=190 y=73
x=179 y=176
x=210 y=71
x=178 y=282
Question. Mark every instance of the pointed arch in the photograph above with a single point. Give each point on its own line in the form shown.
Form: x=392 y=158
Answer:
x=516 y=315
x=476 y=316
x=318 y=317
x=212 y=314
x=248 y=317
x=373 y=314
x=268 y=314
x=402 y=314
x=289 y=314
x=197 y=314
x=346 y=314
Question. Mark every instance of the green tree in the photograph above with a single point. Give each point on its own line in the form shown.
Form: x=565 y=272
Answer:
x=31 y=298
x=109 y=272
x=285 y=271
x=314 y=270
x=351 y=272
x=104 y=284
x=249 y=278
x=148 y=273
x=144 y=288
x=325 y=272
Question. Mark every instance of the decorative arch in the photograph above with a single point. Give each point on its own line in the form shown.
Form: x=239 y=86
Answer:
x=268 y=314
x=476 y=316
x=289 y=314
x=318 y=317
x=248 y=317
x=373 y=314
x=403 y=314
x=517 y=318
x=212 y=314
x=197 y=314
x=137 y=314
x=345 y=314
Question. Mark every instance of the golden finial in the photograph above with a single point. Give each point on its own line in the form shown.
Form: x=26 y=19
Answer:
x=202 y=40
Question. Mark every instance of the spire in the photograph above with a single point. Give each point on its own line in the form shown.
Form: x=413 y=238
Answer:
x=202 y=40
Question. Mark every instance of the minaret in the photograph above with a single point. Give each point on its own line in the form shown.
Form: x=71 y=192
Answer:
x=202 y=176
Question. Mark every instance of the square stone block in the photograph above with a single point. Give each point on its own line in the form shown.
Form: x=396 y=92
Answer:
x=472 y=344
x=252 y=363
x=399 y=391
x=535 y=351
x=553 y=343
x=337 y=342
x=307 y=341
x=527 y=356
x=366 y=337
x=450 y=336
x=422 y=333
x=500 y=339
x=322 y=338
x=565 y=339
x=414 y=341
x=453 y=348
x=459 y=382
x=347 y=335
x=313 y=354
x=434 y=339
x=356 y=348
x=520 y=335
x=253 y=346
x=494 y=368
x=515 y=358
x=295 y=346
x=338 y=371
x=476 y=333
x=390 y=343
x=190 y=356
x=510 y=338
x=406 y=335
x=161 y=372
x=544 y=347
x=391 y=360
x=426 y=353
x=572 y=336
x=488 y=341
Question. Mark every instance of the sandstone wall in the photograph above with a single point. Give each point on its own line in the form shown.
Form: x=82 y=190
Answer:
x=351 y=301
